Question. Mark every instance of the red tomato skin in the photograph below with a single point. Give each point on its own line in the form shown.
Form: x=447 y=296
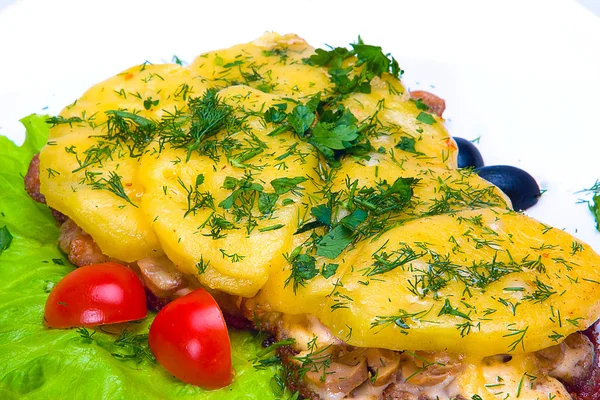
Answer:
x=189 y=339
x=98 y=294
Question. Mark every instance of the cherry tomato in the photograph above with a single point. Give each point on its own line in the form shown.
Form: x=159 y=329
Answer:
x=189 y=339
x=98 y=294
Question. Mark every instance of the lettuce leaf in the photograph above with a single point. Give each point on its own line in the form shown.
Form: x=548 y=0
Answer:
x=41 y=363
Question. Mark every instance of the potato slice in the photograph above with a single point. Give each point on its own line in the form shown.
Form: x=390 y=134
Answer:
x=483 y=282
x=239 y=258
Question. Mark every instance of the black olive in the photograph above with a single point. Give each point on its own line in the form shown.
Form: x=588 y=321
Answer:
x=518 y=185
x=468 y=155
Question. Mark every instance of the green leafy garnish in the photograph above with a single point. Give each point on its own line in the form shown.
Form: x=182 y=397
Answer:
x=300 y=119
x=112 y=184
x=447 y=309
x=149 y=103
x=329 y=270
x=303 y=269
x=426 y=118
x=334 y=242
x=371 y=62
x=284 y=185
x=5 y=239
x=407 y=144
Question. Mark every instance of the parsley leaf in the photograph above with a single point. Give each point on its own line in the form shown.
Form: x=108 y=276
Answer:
x=334 y=242
x=266 y=202
x=322 y=213
x=276 y=113
x=300 y=119
x=426 y=118
x=371 y=62
x=5 y=239
x=329 y=270
x=323 y=58
x=334 y=137
x=239 y=188
x=353 y=220
x=420 y=105
x=372 y=57
x=337 y=239
x=149 y=103
x=407 y=144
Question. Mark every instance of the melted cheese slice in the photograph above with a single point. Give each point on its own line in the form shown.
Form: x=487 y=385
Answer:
x=469 y=274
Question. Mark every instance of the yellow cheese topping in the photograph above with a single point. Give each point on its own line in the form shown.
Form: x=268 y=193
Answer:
x=315 y=185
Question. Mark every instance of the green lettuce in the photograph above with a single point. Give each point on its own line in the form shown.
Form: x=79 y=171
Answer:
x=41 y=363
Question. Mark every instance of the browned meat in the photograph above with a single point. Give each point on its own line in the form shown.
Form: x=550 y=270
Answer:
x=32 y=180
x=32 y=186
x=160 y=276
x=79 y=246
x=435 y=104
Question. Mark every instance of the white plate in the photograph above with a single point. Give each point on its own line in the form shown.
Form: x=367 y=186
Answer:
x=522 y=75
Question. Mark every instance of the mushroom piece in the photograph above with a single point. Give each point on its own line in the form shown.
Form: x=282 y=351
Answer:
x=341 y=376
x=570 y=360
x=429 y=368
x=383 y=365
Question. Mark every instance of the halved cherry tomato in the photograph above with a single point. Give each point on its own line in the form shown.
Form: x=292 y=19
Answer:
x=189 y=339
x=97 y=294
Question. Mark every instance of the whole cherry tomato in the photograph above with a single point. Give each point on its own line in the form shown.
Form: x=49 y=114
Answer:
x=97 y=294
x=189 y=339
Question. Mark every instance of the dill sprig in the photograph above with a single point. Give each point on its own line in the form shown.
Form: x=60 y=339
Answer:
x=131 y=130
x=196 y=200
x=59 y=120
x=541 y=293
x=127 y=346
x=518 y=335
x=400 y=320
x=113 y=184
x=386 y=262
x=209 y=114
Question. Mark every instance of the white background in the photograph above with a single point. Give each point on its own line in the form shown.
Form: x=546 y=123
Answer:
x=524 y=75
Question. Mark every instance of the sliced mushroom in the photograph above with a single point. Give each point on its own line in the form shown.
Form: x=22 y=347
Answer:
x=570 y=360
x=383 y=365
x=341 y=376
x=402 y=391
x=430 y=369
